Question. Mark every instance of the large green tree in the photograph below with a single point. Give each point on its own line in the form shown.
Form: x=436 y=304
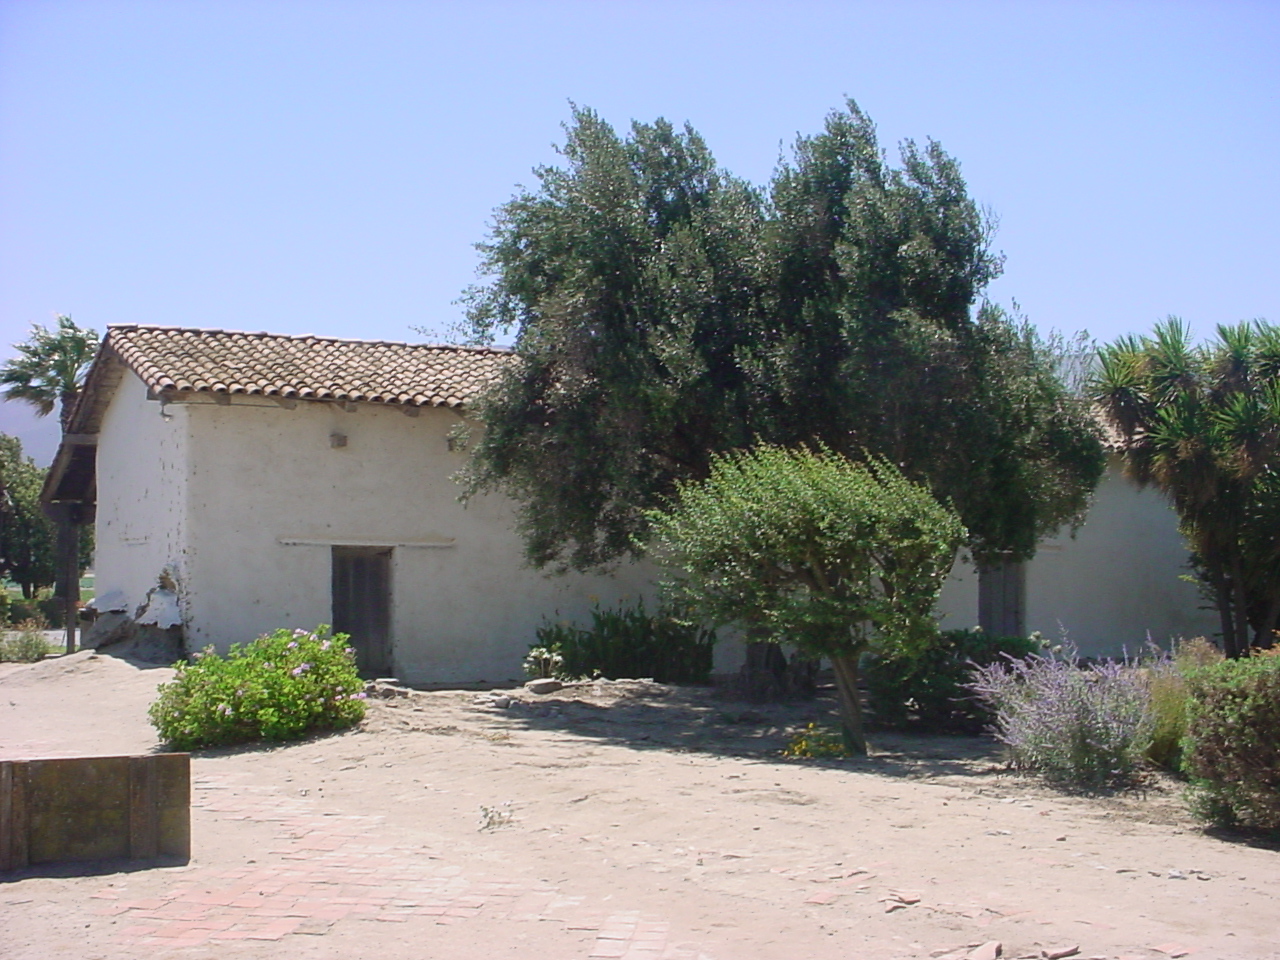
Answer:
x=26 y=535
x=1202 y=424
x=836 y=556
x=665 y=311
x=49 y=367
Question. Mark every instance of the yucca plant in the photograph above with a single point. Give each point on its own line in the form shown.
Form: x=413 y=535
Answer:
x=1202 y=424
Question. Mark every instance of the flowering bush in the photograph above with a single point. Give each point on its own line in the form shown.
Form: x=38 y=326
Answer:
x=1087 y=725
x=815 y=743
x=279 y=687
x=543 y=662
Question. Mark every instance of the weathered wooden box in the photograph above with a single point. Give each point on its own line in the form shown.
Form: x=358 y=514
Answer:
x=95 y=808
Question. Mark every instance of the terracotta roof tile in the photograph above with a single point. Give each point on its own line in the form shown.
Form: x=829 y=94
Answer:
x=176 y=360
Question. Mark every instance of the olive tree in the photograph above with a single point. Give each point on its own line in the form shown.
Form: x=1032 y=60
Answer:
x=664 y=312
x=834 y=556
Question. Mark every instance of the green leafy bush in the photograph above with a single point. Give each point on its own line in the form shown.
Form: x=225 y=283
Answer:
x=279 y=687
x=1170 y=695
x=52 y=612
x=629 y=642
x=21 y=610
x=26 y=644
x=543 y=662
x=929 y=690
x=1232 y=749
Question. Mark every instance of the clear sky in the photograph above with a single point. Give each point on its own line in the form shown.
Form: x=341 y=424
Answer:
x=324 y=166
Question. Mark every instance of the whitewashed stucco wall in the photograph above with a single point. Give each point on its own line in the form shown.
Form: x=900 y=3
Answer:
x=1118 y=580
x=142 y=478
x=262 y=474
x=212 y=494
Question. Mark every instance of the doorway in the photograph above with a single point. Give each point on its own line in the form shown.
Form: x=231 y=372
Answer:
x=362 y=605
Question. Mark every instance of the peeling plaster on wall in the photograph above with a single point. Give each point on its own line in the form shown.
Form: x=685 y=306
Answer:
x=160 y=609
x=143 y=479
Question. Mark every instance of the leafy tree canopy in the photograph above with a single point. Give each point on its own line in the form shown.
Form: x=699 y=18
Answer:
x=834 y=555
x=27 y=536
x=665 y=311
x=1202 y=424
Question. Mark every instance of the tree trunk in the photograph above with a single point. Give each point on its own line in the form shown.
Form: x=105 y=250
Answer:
x=846 y=671
x=1241 y=608
x=1265 y=638
x=1222 y=596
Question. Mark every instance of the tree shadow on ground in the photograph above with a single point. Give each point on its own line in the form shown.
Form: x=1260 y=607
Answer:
x=650 y=716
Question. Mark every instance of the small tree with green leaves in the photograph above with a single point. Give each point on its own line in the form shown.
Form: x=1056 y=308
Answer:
x=834 y=556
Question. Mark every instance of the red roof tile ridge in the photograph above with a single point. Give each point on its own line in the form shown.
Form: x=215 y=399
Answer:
x=265 y=334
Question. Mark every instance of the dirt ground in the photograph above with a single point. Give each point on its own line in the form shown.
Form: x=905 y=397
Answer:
x=617 y=820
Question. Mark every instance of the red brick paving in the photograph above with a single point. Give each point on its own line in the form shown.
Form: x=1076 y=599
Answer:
x=326 y=871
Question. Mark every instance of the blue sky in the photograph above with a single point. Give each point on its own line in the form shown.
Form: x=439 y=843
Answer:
x=308 y=166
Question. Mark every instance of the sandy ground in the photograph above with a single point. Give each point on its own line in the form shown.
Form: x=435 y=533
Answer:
x=626 y=820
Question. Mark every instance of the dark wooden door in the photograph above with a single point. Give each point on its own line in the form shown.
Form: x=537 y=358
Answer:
x=362 y=605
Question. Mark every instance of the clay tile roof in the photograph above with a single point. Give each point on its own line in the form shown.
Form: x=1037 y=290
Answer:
x=176 y=360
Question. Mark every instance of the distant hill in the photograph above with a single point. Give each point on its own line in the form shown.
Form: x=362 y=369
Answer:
x=39 y=435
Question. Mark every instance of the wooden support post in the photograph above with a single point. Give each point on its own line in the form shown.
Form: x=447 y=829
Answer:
x=68 y=555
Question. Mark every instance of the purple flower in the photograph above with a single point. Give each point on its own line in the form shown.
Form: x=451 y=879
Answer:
x=1087 y=724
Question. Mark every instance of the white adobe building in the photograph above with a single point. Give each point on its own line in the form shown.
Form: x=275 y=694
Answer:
x=247 y=481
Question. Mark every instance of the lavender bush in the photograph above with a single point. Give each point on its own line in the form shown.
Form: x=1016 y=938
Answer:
x=1090 y=725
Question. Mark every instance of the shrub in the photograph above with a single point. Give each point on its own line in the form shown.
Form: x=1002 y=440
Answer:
x=1233 y=741
x=52 y=612
x=929 y=690
x=1170 y=696
x=543 y=662
x=26 y=644
x=629 y=642
x=21 y=610
x=1087 y=725
x=279 y=687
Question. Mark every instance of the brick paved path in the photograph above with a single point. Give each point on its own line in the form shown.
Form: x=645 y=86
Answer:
x=332 y=869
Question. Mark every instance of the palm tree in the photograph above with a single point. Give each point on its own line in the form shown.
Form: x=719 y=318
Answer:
x=1202 y=425
x=48 y=371
x=50 y=367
